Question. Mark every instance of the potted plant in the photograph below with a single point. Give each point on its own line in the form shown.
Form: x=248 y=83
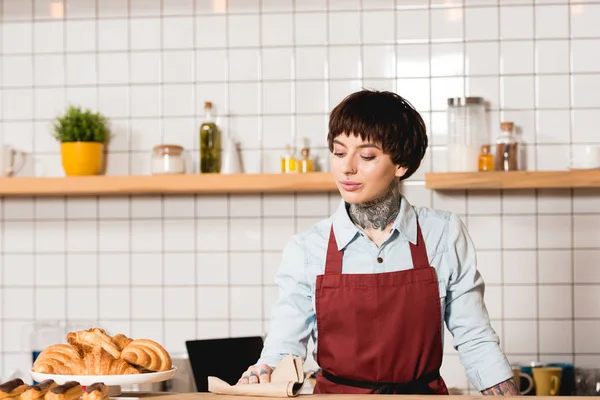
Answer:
x=82 y=135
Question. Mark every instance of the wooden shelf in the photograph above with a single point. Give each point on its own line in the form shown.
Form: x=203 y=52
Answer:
x=513 y=180
x=161 y=184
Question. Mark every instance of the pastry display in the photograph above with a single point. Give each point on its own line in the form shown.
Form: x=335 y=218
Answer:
x=147 y=354
x=38 y=392
x=96 y=391
x=69 y=391
x=95 y=352
x=12 y=389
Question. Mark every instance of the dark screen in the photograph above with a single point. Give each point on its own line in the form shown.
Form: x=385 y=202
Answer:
x=225 y=358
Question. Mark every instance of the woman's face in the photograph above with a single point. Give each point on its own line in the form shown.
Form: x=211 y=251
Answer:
x=361 y=170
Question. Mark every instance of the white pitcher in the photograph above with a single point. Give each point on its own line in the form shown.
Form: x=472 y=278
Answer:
x=231 y=163
x=11 y=160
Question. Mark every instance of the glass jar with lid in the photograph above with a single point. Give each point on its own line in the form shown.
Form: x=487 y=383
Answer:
x=467 y=132
x=167 y=159
x=508 y=151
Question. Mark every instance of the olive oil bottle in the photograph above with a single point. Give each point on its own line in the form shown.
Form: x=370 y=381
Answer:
x=210 y=143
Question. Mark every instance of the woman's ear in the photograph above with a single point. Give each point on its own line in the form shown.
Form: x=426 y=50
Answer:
x=400 y=171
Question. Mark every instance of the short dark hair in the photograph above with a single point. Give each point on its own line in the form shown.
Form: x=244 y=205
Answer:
x=384 y=118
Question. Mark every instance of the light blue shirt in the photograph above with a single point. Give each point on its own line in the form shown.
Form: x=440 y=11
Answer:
x=451 y=253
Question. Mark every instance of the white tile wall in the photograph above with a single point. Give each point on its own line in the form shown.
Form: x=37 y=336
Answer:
x=180 y=267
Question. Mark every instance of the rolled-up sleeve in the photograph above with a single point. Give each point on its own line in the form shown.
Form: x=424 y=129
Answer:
x=292 y=316
x=466 y=315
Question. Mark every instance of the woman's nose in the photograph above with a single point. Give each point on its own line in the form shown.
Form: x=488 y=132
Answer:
x=349 y=167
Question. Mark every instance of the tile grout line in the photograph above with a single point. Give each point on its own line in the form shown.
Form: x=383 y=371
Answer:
x=97 y=198
x=572 y=191
x=2 y=229
x=195 y=196
x=501 y=192
x=228 y=196
x=161 y=105
x=130 y=165
x=536 y=192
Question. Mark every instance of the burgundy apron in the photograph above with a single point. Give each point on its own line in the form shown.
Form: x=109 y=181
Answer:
x=379 y=333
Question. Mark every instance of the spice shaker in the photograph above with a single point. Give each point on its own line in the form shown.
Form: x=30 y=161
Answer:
x=507 y=148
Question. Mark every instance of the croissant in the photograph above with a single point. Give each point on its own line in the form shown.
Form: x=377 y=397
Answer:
x=99 y=362
x=85 y=340
x=121 y=341
x=60 y=359
x=147 y=354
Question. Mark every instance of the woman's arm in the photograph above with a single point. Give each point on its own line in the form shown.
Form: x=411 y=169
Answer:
x=292 y=316
x=506 y=388
x=467 y=317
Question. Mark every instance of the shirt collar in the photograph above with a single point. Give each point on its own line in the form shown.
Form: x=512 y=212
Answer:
x=345 y=230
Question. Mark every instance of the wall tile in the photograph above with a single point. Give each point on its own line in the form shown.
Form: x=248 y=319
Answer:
x=551 y=21
x=518 y=232
x=520 y=337
x=481 y=23
x=519 y=267
x=552 y=56
x=555 y=301
x=342 y=27
x=412 y=26
x=554 y=266
x=277 y=30
x=556 y=337
x=583 y=20
x=585 y=295
x=516 y=22
x=517 y=57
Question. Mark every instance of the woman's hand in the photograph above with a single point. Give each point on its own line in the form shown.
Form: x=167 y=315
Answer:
x=256 y=374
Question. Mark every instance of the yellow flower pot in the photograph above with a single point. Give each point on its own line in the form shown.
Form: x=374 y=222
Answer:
x=82 y=158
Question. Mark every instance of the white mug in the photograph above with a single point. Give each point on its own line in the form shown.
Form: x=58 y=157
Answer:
x=586 y=157
x=11 y=160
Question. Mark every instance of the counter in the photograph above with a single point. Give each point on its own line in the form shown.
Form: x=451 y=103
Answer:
x=210 y=396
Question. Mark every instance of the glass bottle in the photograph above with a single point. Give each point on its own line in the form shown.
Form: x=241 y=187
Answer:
x=306 y=164
x=486 y=160
x=288 y=161
x=507 y=148
x=210 y=143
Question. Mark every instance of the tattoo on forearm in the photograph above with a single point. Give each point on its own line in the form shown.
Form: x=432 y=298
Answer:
x=506 y=388
x=378 y=213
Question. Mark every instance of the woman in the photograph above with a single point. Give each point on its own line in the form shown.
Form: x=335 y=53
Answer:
x=374 y=283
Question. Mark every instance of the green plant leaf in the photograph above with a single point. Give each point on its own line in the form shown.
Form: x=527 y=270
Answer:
x=77 y=125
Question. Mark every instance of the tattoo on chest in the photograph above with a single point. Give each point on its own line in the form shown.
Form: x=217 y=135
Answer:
x=378 y=213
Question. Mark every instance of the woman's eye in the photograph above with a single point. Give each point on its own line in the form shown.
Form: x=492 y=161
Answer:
x=367 y=158
x=338 y=154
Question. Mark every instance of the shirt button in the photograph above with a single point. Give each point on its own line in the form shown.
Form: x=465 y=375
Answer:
x=379 y=260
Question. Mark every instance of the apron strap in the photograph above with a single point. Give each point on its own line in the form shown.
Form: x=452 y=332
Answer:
x=333 y=263
x=418 y=252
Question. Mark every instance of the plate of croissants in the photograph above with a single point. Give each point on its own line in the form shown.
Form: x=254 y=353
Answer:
x=92 y=356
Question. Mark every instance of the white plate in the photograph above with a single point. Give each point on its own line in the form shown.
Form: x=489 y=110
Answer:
x=109 y=380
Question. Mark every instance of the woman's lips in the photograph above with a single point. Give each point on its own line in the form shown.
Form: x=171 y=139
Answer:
x=350 y=186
